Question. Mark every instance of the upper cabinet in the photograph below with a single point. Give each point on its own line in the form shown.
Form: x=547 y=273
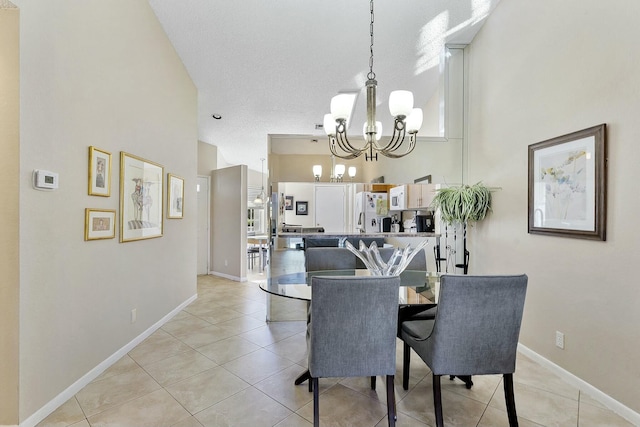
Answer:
x=411 y=196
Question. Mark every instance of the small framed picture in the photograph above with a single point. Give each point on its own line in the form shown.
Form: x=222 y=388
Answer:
x=99 y=224
x=302 y=208
x=99 y=172
x=175 y=196
x=288 y=203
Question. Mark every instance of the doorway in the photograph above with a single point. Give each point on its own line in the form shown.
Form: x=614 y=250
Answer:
x=330 y=207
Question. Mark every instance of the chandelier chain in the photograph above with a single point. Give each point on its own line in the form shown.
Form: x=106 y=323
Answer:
x=371 y=75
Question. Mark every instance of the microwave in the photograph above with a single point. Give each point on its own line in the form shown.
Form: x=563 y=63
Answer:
x=397 y=198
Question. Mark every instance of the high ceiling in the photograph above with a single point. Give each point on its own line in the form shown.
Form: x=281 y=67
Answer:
x=270 y=67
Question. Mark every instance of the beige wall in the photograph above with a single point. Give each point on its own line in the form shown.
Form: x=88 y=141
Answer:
x=10 y=214
x=103 y=74
x=441 y=160
x=207 y=158
x=229 y=222
x=540 y=70
x=299 y=167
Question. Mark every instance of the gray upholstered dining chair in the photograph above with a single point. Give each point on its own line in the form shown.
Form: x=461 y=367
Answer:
x=347 y=338
x=321 y=258
x=475 y=332
x=327 y=258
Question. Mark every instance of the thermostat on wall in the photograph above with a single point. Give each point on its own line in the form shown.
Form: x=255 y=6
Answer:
x=45 y=180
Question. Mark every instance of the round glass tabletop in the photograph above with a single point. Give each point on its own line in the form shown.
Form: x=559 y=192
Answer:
x=416 y=286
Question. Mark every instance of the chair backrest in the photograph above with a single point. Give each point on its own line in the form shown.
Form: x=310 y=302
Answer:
x=321 y=242
x=317 y=259
x=353 y=326
x=477 y=325
x=419 y=261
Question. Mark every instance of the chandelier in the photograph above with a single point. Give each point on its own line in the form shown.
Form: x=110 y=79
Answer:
x=406 y=120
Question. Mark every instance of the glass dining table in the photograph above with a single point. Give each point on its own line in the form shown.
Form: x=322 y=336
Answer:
x=416 y=286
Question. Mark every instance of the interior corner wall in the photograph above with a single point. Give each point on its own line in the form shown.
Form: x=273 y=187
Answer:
x=102 y=74
x=10 y=214
x=229 y=222
x=207 y=158
x=540 y=70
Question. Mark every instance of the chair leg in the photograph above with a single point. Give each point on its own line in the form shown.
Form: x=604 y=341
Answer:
x=391 y=401
x=316 y=403
x=507 y=379
x=466 y=378
x=437 y=400
x=406 y=360
x=373 y=383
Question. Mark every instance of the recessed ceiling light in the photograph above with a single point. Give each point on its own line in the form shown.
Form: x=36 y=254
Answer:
x=216 y=116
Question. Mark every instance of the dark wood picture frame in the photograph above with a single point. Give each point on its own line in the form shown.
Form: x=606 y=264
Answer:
x=288 y=203
x=568 y=185
x=302 y=208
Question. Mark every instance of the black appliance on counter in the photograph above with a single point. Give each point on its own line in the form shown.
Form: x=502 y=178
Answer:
x=386 y=224
x=425 y=223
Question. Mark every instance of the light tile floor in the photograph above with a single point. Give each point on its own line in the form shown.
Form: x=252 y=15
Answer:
x=218 y=363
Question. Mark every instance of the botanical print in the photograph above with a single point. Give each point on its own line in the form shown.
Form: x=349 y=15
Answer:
x=564 y=178
x=565 y=186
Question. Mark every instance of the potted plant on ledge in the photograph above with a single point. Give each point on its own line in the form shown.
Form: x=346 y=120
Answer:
x=462 y=205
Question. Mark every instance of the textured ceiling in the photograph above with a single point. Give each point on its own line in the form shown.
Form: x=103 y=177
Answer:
x=270 y=67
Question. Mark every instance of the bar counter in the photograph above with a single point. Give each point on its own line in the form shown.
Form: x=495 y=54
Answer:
x=347 y=235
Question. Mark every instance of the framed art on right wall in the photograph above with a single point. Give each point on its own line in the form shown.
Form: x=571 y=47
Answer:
x=568 y=185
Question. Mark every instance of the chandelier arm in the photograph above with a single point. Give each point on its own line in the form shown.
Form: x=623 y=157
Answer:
x=345 y=145
x=397 y=138
x=332 y=148
x=412 y=145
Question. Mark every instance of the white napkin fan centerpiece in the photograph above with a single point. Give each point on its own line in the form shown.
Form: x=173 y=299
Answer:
x=396 y=264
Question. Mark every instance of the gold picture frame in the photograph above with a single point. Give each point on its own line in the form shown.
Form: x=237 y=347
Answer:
x=141 y=198
x=99 y=224
x=175 y=196
x=99 y=172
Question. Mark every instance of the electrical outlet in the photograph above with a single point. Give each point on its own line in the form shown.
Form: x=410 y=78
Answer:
x=134 y=315
x=559 y=340
x=226 y=262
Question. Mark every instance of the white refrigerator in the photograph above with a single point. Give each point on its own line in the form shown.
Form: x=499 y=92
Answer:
x=369 y=210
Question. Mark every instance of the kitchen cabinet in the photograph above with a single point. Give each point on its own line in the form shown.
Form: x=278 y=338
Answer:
x=420 y=196
x=411 y=196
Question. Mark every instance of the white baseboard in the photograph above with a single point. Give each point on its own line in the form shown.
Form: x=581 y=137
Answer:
x=606 y=400
x=228 y=276
x=74 y=388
